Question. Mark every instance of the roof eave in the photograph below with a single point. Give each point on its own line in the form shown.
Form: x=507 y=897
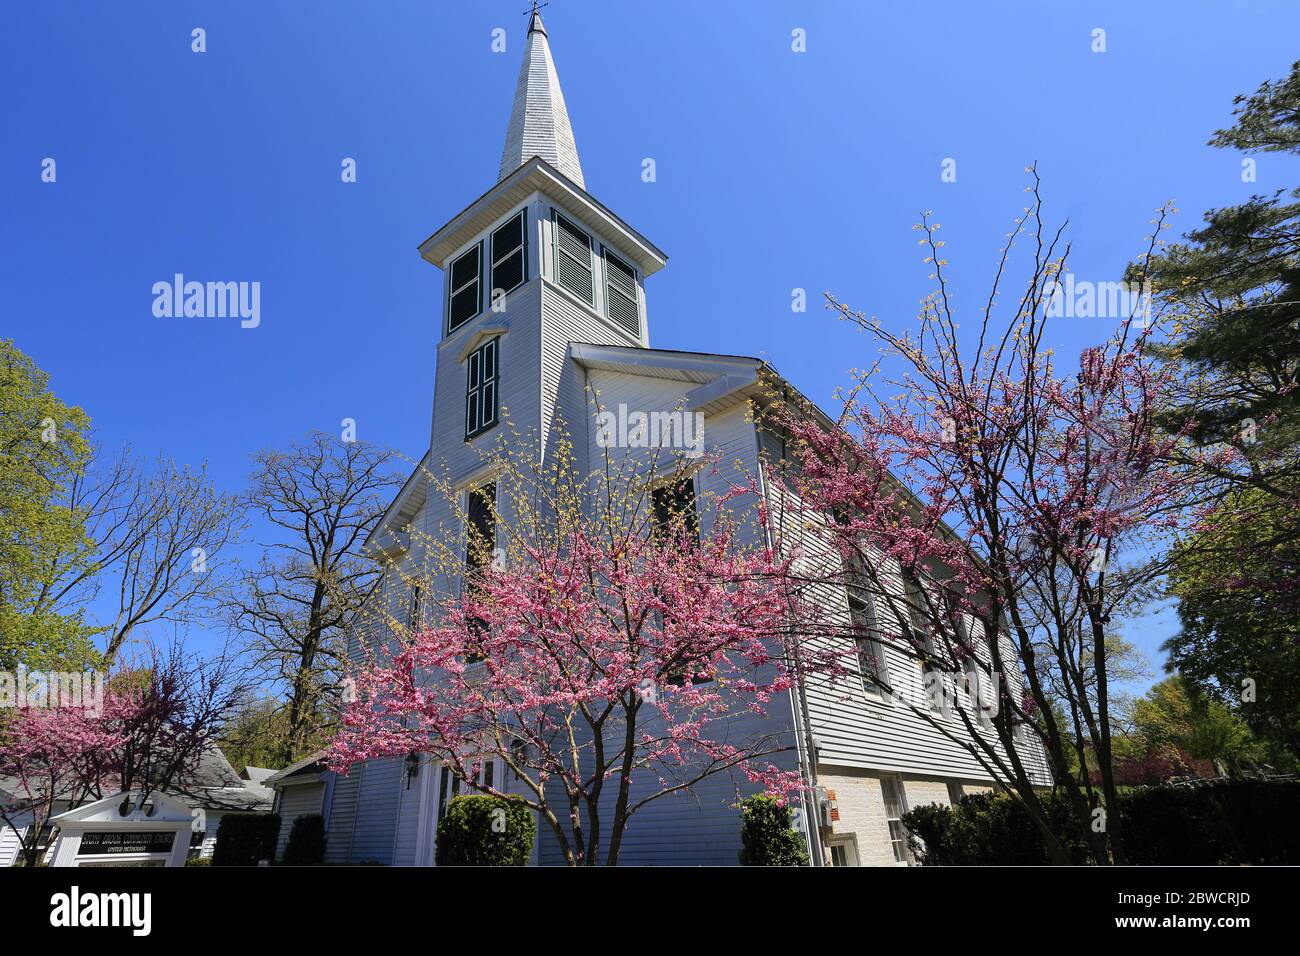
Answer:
x=537 y=175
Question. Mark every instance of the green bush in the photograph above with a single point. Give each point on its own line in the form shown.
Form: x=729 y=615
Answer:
x=244 y=839
x=306 y=846
x=766 y=837
x=480 y=830
x=199 y=861
x=987 y=829
x=1225 y=822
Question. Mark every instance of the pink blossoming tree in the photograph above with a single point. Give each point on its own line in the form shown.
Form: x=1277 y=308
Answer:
x=158 y=718
x=612 y=651
x=1021 y=501
x=47 y=755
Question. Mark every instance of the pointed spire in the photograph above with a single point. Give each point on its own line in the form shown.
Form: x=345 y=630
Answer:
x=539 y=120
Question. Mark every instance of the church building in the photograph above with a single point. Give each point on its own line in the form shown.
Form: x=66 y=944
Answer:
x=546 y=302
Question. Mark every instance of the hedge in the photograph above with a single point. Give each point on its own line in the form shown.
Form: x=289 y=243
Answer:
x=1223 y=822
x=481 y=830
x=766 y=837
x=306 y=845
x=245 y=839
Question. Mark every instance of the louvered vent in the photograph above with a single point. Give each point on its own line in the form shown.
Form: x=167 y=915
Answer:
x=620 y=293
x=573 y=259
x=465 y=299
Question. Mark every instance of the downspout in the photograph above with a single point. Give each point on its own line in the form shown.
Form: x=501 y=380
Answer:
x=799 y=716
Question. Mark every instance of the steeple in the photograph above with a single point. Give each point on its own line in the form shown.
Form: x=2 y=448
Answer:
x=539 y=120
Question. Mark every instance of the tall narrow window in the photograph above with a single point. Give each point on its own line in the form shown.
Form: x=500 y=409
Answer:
x=573 y=259
x=450 y=786
x=673 y=509
x=895 y=807
x=480 y=528
x=464 y=300
x=956 y=618
x=866 y=630
x=674 y=523
x=620 y=293
x=976 y=691
x=508 y=250
x=481 y=372
x=923 y=642
x=480 y=544
x=414 y=609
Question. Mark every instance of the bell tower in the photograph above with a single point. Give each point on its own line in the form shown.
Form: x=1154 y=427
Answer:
x=531 y=267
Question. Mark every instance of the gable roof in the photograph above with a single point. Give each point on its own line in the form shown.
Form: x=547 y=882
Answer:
x=389 y=535
x=721 y=380
x=166 y=809
x=309 y=765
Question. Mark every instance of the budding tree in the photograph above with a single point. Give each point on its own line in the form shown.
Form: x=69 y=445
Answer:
x=1020 y=500
x=610 y=646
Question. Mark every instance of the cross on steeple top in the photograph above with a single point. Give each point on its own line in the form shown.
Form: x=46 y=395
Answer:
x=535 y=21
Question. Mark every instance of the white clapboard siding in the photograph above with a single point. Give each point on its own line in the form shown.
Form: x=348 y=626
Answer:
x=10 y=842
x=376 y=814
x=296 y=801
x=855 y=728
x=342 y=816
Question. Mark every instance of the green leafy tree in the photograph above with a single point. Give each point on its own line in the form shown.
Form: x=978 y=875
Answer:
x=1239 y=641
x=1168 y=719
x=43 y=452
x=1233 y=291
x=257 y=734
x=1231 y=295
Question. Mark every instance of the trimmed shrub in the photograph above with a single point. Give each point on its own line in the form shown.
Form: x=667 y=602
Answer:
x=481 y=830
x=1220 y=822
x=1225 y=822
x=306 y=846
x=766 y=836
x=243 y=839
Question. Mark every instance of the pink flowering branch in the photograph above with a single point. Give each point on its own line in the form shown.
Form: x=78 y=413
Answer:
x=609 y=661
x=1023 y=501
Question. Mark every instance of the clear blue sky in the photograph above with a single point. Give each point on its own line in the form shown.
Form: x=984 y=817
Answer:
x=775 y=170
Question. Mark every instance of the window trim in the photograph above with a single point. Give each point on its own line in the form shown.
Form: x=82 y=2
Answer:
x=451 y=292
x=475 y=392
x=522 y=249
x=848 y=842
x=449 y=785
x=916 y=599
x=900 y=793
